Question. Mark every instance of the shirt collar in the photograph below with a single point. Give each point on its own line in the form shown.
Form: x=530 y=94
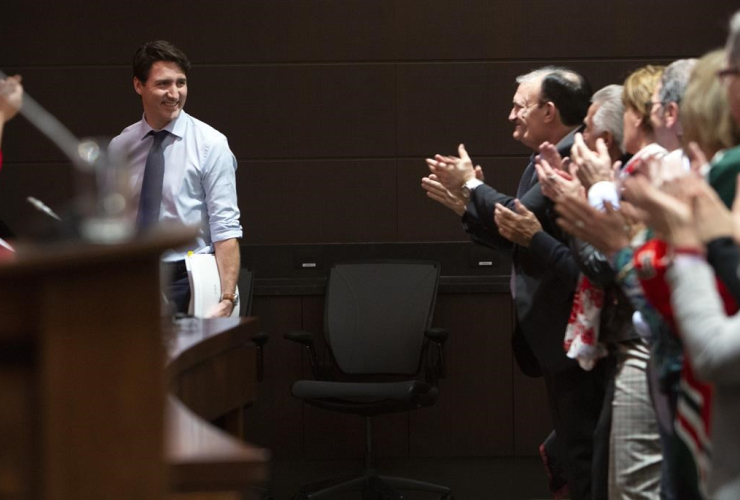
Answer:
x=176 y=127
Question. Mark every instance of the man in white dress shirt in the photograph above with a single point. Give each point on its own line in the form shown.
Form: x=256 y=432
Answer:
x=196 y=172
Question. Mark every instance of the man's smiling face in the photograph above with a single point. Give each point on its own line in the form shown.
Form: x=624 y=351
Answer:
x=163 y=94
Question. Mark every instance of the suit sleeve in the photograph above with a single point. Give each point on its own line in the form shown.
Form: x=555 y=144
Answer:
x=555 y=255
x=592 y=263
x=483 y=235
x=478 y=217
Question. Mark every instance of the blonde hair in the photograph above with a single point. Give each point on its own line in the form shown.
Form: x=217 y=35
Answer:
x=705 y=111
x=638 y=92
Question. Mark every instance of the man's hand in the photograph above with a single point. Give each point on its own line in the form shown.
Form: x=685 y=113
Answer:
x=550 y=154
x=712 y=219
x=11 y=97
x=659 y=169
x=607 y=231
x=436 y=191
x=593 y=166
x=222 y=310
x=697 y=158
x=451 y=171
x=669 y=215
x=557 y=183
x=518 y=227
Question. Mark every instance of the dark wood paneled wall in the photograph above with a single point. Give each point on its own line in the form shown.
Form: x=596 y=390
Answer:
x=330 y=107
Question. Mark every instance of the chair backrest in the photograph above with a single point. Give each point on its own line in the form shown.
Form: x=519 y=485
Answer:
x=246 y=291
x=376 y=313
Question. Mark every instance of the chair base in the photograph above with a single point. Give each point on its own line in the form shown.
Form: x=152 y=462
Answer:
x=372 y=486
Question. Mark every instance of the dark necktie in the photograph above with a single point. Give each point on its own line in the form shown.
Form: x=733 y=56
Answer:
x=151 y=187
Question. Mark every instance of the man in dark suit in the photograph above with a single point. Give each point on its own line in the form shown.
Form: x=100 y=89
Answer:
x=548 y=107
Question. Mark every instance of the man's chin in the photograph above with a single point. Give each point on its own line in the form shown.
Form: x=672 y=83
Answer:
x=174 y=114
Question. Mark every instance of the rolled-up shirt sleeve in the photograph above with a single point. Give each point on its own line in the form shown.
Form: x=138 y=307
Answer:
x=219 y=184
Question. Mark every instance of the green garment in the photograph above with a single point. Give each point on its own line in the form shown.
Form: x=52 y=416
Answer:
x=723 y=175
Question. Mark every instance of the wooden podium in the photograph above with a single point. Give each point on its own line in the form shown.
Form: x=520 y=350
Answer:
x=82 y=373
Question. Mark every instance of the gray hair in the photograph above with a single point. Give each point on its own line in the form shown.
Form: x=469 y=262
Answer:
x=609 y=116
x=733 y=40
x=535 y=74
x=544 y=71
x=674 y=80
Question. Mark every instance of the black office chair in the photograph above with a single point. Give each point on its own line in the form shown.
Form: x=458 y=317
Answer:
x=246 y=293
x=377 y=320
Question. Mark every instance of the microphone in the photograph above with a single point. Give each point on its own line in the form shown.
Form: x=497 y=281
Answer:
x=41 y=207
x=6 y=245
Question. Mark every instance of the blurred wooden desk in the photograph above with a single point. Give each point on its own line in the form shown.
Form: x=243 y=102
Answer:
x=212 y=372
x=82 y=378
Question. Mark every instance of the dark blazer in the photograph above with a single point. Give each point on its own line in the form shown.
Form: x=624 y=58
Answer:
x=545 y=273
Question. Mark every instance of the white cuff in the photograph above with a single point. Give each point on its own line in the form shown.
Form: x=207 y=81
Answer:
x=473 y=183
x=683 y=261
x=603 y=191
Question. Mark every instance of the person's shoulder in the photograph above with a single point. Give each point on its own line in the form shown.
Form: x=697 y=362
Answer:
x=205 y=131
x=729 y=157
x=563 y=146
x=127 y=132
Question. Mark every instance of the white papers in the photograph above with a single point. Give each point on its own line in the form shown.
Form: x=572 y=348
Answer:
x=205 y=285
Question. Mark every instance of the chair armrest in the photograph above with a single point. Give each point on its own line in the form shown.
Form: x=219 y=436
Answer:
x=306 y=340
x=260 y=339
x=436 y=368
x=438 y=335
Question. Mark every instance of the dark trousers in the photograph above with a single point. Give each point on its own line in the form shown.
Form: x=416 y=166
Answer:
x=576 y=398
x=678 y=474
x=602 y=434
x=177 y=285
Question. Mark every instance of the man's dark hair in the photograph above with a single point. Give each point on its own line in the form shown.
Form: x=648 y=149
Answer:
x=570 y=92
x=151 y=52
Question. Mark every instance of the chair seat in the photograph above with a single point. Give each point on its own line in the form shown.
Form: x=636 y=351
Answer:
x=366 y=398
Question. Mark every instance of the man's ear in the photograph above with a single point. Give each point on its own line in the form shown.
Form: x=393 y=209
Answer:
x=608 y=139
x=551 y=112
x=671 y=114
x=639 y=122
x=138 y=85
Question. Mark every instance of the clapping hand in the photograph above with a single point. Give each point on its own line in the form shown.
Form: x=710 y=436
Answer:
x=452 y=171
x=593 y=166
x=11 y=97
x=608 y=231
x=516 y=226
x=557 y=183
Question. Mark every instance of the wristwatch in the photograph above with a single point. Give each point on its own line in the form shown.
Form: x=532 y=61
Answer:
x=233 y=297
x=468 y=187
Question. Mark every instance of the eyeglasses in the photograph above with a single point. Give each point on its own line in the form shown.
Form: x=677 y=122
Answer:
x=520 y=109
x=725 y=72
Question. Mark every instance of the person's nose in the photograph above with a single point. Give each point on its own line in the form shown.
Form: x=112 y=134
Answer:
x=173 y=92
x=513 y=114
